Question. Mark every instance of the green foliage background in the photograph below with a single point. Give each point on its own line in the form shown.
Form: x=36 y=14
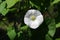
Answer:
x=12 y=19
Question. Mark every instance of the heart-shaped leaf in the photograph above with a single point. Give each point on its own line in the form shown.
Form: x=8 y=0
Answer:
x=48 y=37
x=11 y=34
x=11 y=3
x=52 y=27
x=2 y=6
x=4 y=12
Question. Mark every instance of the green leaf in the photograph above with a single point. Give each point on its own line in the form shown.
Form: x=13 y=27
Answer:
x=29 y=33
x=19 y=33
x=52 y=27
x=55 y=1
x=11 y=34
x=32 y=4
x=24 y=28
x=3 y=25
x=2 y=6
x=11 y=3
x=57 y=39
x=0 y=1
x=35 y=3
x=12 y=9
x=9 y=28
x=4 y=12
x=48 y=37
x=58 y=25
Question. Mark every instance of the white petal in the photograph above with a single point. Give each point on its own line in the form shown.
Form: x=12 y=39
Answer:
x=39 y=19
x=30 y=12
x=35 y=24
x=26 y=21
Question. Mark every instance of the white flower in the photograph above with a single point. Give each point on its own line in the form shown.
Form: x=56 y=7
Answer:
x=33 y=18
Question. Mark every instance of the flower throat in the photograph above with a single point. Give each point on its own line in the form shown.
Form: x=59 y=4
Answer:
x=32 y=17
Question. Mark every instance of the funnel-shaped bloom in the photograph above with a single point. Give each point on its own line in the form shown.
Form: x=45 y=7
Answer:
x=33 y=18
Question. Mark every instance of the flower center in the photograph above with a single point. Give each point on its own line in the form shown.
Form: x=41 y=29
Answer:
x=33 y=17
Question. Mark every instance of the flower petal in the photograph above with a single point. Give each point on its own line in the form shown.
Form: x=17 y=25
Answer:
x=35 y=24
x=30 y=12
x=39 y=19
x=26 y=21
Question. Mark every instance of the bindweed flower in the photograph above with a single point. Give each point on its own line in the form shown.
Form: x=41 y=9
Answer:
x=33 y=18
